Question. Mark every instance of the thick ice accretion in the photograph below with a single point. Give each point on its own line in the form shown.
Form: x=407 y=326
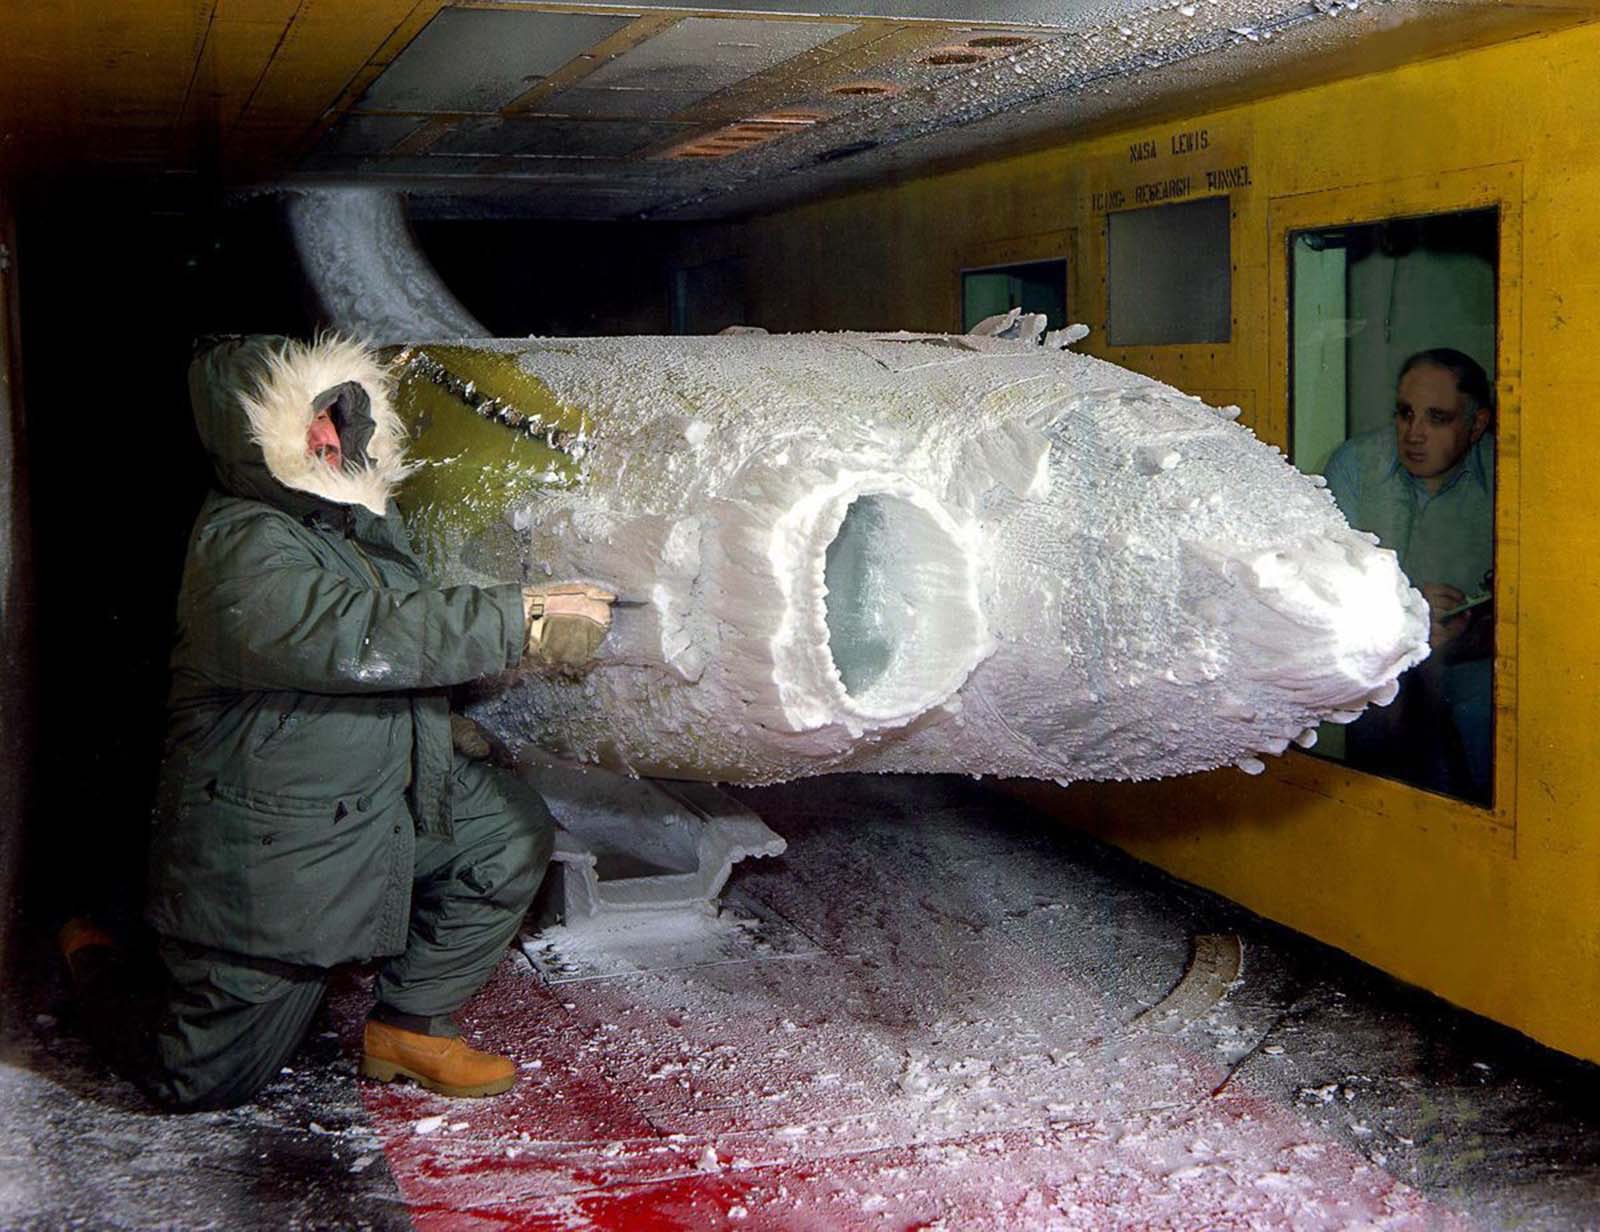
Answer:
x=920 y=553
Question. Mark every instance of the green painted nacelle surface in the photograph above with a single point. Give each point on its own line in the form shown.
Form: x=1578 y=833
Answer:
x=486 y=437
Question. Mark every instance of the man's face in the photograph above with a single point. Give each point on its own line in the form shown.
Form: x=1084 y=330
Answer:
x=1433 y=427
x=322 y=440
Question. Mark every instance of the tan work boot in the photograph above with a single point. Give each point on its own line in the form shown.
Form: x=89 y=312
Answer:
x=85 y=947
x=447 y=1065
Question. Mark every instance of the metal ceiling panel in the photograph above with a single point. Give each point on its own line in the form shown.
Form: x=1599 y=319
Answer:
x=359 y=135
x=1059 y=13
x=554 y=138
x=422 y=166
x=625 y=104
x=690 y=61
x=481 y=59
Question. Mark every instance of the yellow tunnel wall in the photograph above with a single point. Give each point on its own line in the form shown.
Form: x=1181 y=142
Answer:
x=1496 y=910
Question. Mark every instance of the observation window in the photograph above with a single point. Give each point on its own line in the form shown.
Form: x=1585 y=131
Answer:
x=1169 y=274
x=1034 y=286
x=1392 y=369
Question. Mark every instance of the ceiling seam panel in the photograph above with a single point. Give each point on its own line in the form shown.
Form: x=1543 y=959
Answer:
x=239 y=51
x=389 y=50
x=428 y=135
x=602 y=53
x=272 y=57
x=820 y=12
x=778 y=85
x=481 y=60
x=574 y=70
x=194 y=73
x=398 y=38
x=835 y=62
x=694 y=60
x=424 y=137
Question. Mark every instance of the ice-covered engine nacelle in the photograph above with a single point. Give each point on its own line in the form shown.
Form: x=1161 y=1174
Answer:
x=872 y=551
x=898 y=553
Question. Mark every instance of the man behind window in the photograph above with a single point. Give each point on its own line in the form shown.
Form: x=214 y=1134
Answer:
x=1426 y=489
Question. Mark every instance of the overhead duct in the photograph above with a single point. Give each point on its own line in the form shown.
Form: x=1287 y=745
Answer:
x=363 y=265
x=897 y=552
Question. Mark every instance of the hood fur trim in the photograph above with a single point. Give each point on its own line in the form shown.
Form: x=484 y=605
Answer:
x=279 y=410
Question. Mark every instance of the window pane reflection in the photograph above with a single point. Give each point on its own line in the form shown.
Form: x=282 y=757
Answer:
x=1393 y=331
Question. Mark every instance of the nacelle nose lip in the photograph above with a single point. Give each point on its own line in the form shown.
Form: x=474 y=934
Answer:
x=882 y=617
x=1333 y=619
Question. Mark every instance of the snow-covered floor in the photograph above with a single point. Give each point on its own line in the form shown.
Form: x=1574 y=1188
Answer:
x=927 y=1014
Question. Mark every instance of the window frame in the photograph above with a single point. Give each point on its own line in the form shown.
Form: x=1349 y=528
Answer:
x=1223 y=201
x=1498 y=187
x=1000 y=266
x=1031 y=249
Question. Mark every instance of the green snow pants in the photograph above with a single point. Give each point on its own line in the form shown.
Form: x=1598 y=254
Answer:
x=230 y=1021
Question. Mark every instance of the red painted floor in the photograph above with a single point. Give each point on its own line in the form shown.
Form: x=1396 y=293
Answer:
x=594 y=1138
x=942 y=1062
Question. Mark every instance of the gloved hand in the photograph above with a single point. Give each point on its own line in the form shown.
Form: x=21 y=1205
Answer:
x=469 y=739
x=566 y=623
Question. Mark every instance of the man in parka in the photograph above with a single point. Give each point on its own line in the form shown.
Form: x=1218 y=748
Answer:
x=312 y=810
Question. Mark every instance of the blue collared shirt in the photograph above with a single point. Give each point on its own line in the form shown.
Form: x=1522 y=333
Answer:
x=1445 y=536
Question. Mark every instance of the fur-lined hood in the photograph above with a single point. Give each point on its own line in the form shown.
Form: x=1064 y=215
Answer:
x=254 y=398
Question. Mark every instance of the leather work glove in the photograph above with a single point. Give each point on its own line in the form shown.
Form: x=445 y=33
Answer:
x=566 y=623
x=469 y=739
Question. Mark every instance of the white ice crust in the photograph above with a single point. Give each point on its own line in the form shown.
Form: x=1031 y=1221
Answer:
x=1060 y=568
x=1091 y=574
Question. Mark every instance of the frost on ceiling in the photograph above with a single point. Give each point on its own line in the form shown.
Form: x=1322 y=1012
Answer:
x=655 y=114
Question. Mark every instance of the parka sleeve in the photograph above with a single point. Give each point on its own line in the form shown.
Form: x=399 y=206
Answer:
x=260 y=612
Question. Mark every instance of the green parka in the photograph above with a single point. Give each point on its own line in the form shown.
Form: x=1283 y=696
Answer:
x=308 y=732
